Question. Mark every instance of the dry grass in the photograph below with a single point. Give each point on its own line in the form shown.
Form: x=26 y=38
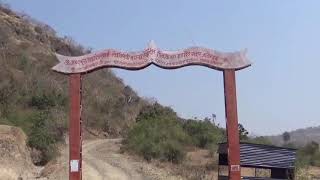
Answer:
x=198 y=165
x=314 y=172
x=26 y=53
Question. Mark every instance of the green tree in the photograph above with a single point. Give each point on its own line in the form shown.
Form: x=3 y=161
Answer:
x=286 y=137
x=308 y=155
x=311 y=148
x=203 y=133
x=41 y=137
x=158 y=133
x=260 y=140
x=243 y=133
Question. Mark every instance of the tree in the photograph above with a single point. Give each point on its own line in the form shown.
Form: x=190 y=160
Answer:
x=311 y=148
x=260 y=140
x=243 y=133
x=158 y=133
x=286 y=137
x=214 y=117
x=41 y=137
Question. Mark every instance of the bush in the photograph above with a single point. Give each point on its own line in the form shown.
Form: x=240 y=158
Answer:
x=7 y=91
x=41 y=101
x=42 y=138
x=157 y=134
x=315 y=160
x=23 y=63
x=160 y=134
x=309 y=155
x=155 y=111
x=259 y=140
x=160 y=138
x=44 y=101
x=6 y=8
x=173 y=151
x=203 y=133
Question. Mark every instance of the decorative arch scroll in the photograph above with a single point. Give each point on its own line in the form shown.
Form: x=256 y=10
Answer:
x=152 y=55
x=74 y=67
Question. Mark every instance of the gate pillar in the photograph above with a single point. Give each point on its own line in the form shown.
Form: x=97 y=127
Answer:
x=232 y=124
x=75 y=138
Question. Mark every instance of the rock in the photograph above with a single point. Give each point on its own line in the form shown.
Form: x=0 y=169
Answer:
x=15 y=161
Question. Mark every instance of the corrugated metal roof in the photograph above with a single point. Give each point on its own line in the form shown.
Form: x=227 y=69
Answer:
x=256 y=155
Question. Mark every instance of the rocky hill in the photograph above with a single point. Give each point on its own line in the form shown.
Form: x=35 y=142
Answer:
x=299 y=137
x=14 y=154
x=35 y=98
x=27 y=83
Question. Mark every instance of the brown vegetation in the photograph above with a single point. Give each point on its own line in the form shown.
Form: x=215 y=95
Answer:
x=30 y=90
x=14 y=154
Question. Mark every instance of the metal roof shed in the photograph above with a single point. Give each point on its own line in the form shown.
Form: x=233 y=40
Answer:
x=279 y=161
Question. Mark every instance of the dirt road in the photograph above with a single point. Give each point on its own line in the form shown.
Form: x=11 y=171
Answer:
x=100 y=157
x=103 y=161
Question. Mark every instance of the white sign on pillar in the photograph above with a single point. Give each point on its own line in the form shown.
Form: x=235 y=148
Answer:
x=74 y=165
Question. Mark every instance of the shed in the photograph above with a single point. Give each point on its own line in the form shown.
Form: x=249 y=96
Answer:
x=263 y=161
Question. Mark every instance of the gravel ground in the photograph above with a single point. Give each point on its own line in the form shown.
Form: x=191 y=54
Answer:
x=102 y=161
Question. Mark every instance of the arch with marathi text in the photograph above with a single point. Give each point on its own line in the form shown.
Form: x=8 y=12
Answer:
x=76 y=67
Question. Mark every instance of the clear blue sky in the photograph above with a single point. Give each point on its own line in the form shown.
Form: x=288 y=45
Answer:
x=279 y=92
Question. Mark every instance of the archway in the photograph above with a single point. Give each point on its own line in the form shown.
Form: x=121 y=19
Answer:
x=228 y=63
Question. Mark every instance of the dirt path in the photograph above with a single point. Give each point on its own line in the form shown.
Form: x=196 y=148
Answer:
x=102 y=161
x=99 y=158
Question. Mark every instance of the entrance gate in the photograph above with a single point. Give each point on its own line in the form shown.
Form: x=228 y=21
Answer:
x=76 y=67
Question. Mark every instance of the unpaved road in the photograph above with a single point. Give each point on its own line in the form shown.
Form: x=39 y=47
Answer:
x=100 y=157
x=103 y=161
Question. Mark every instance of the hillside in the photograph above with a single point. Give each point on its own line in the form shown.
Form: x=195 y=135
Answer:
x=299 y=137
x=14 y=155
x=28 y=84
x=35 y=98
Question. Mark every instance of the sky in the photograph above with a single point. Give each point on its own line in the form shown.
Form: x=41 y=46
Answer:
x=279 y=92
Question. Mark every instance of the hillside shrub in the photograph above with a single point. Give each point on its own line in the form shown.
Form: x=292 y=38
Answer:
x=42 y=138
x=41 y=101
x=44 y=101
x=160 y=134
x=203 y=133
x=22 y=63
x=308 y=155
x=259 y=140
x=160 y=138
x=7 y=91
x=157 y=134
x=156 y=110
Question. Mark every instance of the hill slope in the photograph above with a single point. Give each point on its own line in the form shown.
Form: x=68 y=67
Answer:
x=14 y=154
x=299 y=137
x=27 y=82
x=35 y=98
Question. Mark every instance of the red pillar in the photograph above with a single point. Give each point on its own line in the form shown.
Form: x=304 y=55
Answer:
x=75 y=128
x=232 y=124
